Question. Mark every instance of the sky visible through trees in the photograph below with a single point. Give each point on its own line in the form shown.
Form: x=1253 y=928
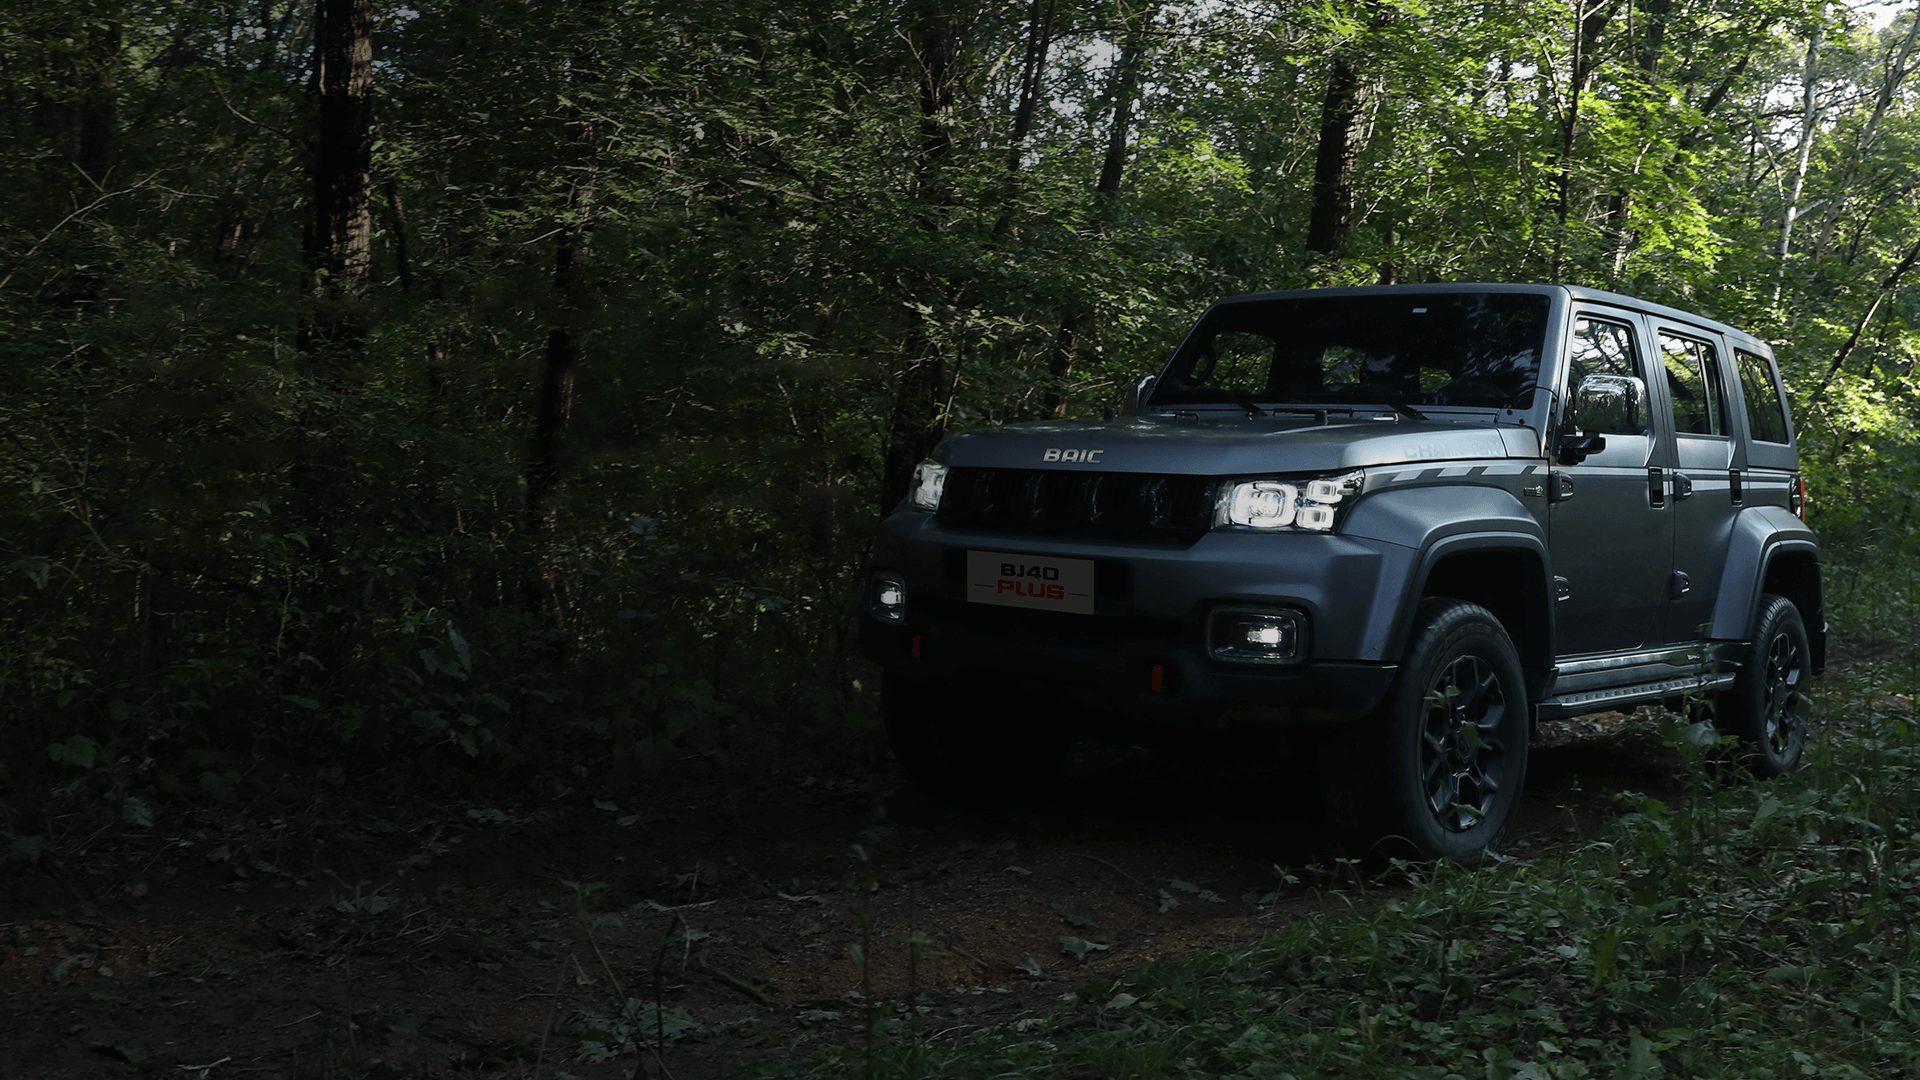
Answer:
x=490 y=389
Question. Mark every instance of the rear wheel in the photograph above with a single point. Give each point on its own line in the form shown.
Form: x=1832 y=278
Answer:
x=1435 y=772
x=964 y=750
x=1768 y=709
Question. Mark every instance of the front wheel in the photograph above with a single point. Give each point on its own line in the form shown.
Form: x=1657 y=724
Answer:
x=1435 y=772
x=1768 y=708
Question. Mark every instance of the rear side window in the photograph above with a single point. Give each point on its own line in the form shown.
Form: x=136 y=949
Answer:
x=1694 y=386
x=1766 y=414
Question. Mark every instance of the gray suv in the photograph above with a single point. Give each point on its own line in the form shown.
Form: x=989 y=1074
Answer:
x=1400 y=525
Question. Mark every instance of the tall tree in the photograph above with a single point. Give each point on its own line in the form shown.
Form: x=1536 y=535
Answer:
x=1033 y=67
x=1124 y=93
x=936 y=34
x=1803 y=154
x=1344 y=110
x=565 y=344
x=340 y=246
x=1588 y=26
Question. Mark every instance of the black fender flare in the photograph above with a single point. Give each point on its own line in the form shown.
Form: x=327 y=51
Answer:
x=1761 y=536
x=1442 y=522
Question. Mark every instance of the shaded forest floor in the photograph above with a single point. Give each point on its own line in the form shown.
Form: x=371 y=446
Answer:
x=348 y=940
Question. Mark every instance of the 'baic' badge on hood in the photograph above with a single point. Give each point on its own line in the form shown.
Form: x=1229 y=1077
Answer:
x=1084 y=457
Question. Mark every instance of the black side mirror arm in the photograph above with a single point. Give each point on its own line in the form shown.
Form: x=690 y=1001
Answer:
x=1574 y=449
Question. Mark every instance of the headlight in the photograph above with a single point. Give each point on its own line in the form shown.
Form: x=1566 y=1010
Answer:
x=1308 y=505
x=929 y=480
x=887 y=598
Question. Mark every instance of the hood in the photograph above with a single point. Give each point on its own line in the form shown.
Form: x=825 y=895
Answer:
x=1237 y=447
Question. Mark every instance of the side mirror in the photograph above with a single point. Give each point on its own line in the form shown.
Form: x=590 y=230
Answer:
x=1610 y=405
x=1137 y=391
x=1602 y=405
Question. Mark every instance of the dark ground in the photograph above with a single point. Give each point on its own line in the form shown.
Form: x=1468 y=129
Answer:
x=440 y=940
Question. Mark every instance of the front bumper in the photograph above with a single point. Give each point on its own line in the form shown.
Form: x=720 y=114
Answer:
x=1153 y=674
x=1143 y=652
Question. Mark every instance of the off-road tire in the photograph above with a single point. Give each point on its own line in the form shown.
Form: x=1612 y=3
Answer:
x=1436 y=771
x=1767 y=708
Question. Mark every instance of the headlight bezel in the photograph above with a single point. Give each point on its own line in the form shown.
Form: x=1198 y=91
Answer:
x=929 y=485
x=887 y=609
x=1268 y=504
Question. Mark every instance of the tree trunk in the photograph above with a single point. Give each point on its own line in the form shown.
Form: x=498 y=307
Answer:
x=1899 y=65
x=1810 y=118
x=1033 y=68
x=1343 y=134
x=1587 y=28
x=340 y=247
x=937 y=38
x=1126 y=88
x=1619 y=228
x=1113 y=166
x=99 y=141
x=553 y=414
x=917 y=419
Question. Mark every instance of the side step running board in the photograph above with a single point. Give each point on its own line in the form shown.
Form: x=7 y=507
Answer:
x=1588 y=701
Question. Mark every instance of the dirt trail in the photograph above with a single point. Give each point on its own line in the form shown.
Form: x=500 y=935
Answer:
x=448 y=941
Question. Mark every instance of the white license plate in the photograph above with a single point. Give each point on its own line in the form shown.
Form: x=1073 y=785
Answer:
x=1030 y=581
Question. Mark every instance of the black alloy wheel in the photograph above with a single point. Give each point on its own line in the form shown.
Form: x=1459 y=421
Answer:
x=1768 y=709
x=1436 y=771
x=1462 y=752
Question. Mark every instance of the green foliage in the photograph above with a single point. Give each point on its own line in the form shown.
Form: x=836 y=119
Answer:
x=234 y=561
x=1759 y=929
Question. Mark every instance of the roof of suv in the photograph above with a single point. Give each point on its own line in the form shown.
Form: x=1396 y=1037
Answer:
x=1571 y=292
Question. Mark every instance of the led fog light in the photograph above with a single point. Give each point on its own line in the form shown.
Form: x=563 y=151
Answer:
x=1256 y=636
x=887 y=598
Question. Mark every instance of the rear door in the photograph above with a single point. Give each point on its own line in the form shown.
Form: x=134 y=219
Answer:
x=1701 y=486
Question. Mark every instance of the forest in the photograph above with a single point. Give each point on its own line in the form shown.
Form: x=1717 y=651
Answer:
x=470 y=396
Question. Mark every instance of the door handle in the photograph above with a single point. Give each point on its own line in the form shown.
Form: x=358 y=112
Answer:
x=1682 y=486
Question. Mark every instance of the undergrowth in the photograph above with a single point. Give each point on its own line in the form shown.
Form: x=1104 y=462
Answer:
x=1755 y=929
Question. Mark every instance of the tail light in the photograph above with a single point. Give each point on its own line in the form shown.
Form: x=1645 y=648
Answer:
x=1797 y=497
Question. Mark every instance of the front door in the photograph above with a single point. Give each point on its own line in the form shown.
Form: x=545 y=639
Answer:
x=1608 y=518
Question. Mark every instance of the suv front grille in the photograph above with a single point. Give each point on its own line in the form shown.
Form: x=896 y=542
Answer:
x=1133 y=505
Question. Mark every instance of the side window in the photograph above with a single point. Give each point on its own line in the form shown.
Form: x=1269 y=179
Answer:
x=1601 y=348
x=1766 y=416
x=1694 y=386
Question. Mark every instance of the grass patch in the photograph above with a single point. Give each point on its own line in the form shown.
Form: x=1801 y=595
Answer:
x=1750 y=930
x=1872 y=586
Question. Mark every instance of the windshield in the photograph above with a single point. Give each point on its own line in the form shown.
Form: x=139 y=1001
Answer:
x=1468 y=349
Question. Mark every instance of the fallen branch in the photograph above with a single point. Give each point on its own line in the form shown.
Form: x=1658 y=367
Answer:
x=734 y=982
